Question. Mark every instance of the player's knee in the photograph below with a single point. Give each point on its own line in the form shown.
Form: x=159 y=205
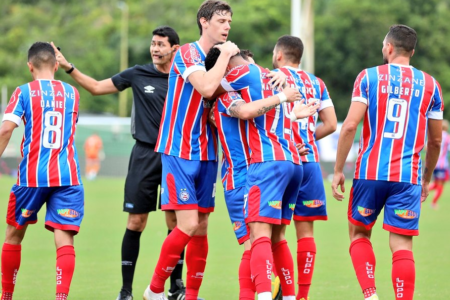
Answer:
x=137 y=222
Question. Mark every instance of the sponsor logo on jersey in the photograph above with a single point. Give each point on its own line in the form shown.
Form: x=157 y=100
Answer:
x=292 y=206
x=237 y=225
x=275 y=204
x=68 y=213
x=149 y=89
x=184 y=195
x=365 y=212
x=313 y=203
x=27 y=213
x=406 y=213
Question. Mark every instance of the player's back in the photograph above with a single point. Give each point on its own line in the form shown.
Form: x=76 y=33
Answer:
x=49 y=110
x=399 y=99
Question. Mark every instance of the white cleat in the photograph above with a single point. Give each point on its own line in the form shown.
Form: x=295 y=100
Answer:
x=149 y=295
x=373 y=297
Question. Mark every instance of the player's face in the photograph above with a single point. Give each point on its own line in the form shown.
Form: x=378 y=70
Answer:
x=161 y=50
x=218 y=27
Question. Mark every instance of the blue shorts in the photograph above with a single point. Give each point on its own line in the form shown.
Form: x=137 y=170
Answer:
x=65 y=206
x=440 y=174
x=401 y=202
x=188 y=184
x=311 y=201
x=235 y=205
x=271 y=192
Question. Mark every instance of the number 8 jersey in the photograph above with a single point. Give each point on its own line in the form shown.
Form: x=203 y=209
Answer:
x=49 y=110
x=400 y=99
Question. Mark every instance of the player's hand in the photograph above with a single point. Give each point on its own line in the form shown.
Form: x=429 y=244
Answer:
x=229 y=48
x=338 y=180
x=211 y=117
x=292 y=94
x=302 y=150
x=425 y=191
x=302 y=110
x=61 y=59
x=278 y=80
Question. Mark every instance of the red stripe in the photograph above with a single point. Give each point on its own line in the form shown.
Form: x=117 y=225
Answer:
x=398 y=144
x=203 y=138
x=194 y=108
x=70 y=146
x=309 y=94
x=173 y=114
x=53 y=165
x=409 y=232
x=244 y=140
x=254 y=138
x=226 y=151
x=308 y=219
x=13 y=101
x=366 y=133
x=37 y=127
x=49 y=225
x=372 y=161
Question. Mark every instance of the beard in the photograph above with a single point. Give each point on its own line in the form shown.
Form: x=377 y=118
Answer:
x=385 y=61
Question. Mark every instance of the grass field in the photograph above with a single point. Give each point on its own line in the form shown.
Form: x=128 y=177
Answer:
x=97 y=273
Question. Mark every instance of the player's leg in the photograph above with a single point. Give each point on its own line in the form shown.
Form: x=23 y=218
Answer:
x=306 y=256
x=246 y=286
x=283 y=261
x=65 y=262
x=403 y=267
x=439 y=187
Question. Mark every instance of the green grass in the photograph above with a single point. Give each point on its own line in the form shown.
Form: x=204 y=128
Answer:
x=97 y=274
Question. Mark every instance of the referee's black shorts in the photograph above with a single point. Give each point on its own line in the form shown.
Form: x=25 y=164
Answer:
x=143 y=179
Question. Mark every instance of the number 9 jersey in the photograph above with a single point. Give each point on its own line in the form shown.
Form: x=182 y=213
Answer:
x=400 y=99
x=49 y=110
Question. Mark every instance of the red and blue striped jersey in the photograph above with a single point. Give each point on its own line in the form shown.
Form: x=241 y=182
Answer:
x=233 y=139
x=443 y=155
x=400 y=99
x=270 y=135
x=312 y=88
x=49 y=110
x=185 y=131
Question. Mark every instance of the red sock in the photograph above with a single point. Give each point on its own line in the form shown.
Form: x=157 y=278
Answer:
x=284 y=264
x=403 y=274
x=246 y=286
x=363 y=260
x=169 y=256
x=10 y=267
x=61 y=296
x=438 y=193
x=306 y=257
x=65 y=265
x=261 y=262
x=196 y=253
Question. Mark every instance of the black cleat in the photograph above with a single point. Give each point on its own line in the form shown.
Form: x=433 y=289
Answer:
x=180 y=293
x=124 y=295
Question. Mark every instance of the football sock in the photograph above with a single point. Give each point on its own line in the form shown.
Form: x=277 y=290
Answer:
x=403 y=274
x=169 y=256
x=284 y=264
x=261 y=262
x=246 y=286
x=10 y=266
x=363 y=260
x=61 y=296
x=196 y=253
x=130 y=253
x=306 y=257
x=65 y=265
x=438 y=193
x=177 y=273
x=6 y=296
x=265 y=296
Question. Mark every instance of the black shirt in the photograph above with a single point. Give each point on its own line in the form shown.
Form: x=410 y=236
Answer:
x=149 y=93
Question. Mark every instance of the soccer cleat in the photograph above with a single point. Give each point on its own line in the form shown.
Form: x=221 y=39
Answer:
x=149 y=295
x=124 y=295
x=373 y=297
x=276 y=289
x=180 y=293
x=304 y=299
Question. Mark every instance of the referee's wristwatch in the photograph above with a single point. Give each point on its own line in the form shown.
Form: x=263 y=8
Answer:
x=71 y=69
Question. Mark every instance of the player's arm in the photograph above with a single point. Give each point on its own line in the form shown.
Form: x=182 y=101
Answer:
x=90 y=84
x=329 y=122
x=206 y=83
x=345 y=142
x=6 y=130
x=433 y=151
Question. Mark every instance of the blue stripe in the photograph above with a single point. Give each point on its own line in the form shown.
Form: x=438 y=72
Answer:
x=27 y=133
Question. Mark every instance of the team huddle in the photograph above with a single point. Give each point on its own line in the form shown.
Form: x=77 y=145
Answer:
x=213 y=95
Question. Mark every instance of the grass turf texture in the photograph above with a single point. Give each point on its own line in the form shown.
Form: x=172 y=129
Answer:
x=97 y=273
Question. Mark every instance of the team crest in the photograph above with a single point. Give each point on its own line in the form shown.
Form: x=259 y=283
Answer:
x=406 y=213
x=193 y=56
x=184 y=195
x=365 y=212
x=313 y=203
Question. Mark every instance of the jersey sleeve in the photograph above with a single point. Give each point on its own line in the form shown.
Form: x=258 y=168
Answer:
x=15 y=109
x=325 y=100
x=237 y=79
x=187 y=61
x=437 y=105
x=228 y=99
x=360 y=88
x=123 y=79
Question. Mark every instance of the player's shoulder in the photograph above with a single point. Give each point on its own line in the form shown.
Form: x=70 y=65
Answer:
x=238 y=71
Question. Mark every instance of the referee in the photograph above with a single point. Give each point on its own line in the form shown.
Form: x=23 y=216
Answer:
x=149 y=84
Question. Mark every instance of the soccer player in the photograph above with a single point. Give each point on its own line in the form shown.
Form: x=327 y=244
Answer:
x=92 y=149
x=441 y=172
x=49 y=171
x=189 y=149
x=398 y=103
x=149 y=83
x=311 y=201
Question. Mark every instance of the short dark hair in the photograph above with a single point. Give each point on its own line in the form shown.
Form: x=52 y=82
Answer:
x=213 y=55
x=403 y=38
x=208 y=8
x=40 y=54
x=292 y=48
x=245 y=53
x=169 y=32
